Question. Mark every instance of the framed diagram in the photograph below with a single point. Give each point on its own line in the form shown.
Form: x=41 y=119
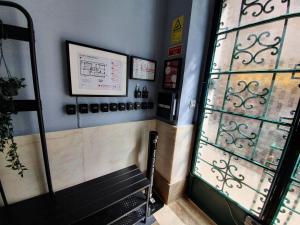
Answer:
x=142 y=69
x=172 y=73
x=95 y=71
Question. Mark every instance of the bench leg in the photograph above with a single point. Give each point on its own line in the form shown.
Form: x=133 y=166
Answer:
x=147 y=210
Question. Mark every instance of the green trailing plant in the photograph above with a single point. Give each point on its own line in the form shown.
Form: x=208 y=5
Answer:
x=9 y=87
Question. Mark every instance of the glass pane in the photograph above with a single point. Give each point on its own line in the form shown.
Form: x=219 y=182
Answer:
x=248 y=93
x=223 y=52
x=236 y=178
x=255 y=11
x=257 y=48
x=230 y=14
x=289 y=212
x=284 y=97
x=290 y=50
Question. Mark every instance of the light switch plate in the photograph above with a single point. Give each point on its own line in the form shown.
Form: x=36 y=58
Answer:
x=193 y=104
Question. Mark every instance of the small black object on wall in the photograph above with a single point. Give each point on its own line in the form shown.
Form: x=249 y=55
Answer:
x=70 y=109
x=150 y=105
x=144 y=105
x=166 y=105
x=145 y=92
x=137 y=105
x=113 y=107
x=104 y=107
x=130 y=106
x=121 y=107
x=83 y=108
x=94 y=108
x=137 y=92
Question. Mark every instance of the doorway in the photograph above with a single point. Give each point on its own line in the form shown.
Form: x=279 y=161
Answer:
x=246 y=151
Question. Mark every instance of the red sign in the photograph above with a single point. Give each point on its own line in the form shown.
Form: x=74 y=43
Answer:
x=176 y=50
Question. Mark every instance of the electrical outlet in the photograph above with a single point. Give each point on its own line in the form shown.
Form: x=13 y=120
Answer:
x=193 y=104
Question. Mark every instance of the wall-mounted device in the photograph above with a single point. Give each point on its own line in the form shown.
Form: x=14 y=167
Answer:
x=121 y=107
x=130 y=106
x=166 y=105
x=145 y=92
x=83 y=108
x=150 y=105
x=70 y=109
x=144 y=105
x=94 y=108
x=137 y=105
x=113 y=107
x=137 y=92
x=104 y=107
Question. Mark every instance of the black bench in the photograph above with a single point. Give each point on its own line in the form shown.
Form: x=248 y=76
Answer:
x=116 y=198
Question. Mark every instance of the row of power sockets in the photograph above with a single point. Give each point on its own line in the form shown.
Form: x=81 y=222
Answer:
x=72 y=109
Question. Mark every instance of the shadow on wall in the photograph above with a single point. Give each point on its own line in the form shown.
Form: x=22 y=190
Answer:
x=137 y=151
x=63 y=59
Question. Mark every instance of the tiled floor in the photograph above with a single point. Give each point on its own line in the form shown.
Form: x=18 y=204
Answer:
x=182 y=212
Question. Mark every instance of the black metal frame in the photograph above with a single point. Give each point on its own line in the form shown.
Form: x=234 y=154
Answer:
x=27 y=34
x=101 y=49
x=290 y=156
x=131 y=68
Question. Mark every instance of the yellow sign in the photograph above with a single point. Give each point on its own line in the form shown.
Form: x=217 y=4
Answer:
x=177 y=30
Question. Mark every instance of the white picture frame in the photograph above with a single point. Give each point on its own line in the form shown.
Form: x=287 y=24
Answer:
x=95 y=71
x=142 y=69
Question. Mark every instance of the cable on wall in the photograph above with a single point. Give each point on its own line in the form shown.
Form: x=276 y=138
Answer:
x=77 y=114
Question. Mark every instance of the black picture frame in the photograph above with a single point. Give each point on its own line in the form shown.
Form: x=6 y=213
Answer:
x=71 y=88
x=144 y=59
x=167 y=83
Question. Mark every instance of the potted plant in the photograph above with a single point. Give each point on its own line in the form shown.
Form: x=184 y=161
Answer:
x=9 y=88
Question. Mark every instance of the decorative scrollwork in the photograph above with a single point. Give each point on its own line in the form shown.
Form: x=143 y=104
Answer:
x=224 y=5
x=220 y=39
x=284 y=129
x=248 y=88
x=233 y=128
x=261 y=193
x=288 y=206
x=262 y=8
x=226 y=174
x=256 y=39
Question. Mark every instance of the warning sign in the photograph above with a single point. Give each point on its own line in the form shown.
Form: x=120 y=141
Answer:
x=177 y=30
x=174 y=51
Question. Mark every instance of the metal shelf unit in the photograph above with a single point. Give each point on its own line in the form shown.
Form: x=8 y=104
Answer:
x=27 y=35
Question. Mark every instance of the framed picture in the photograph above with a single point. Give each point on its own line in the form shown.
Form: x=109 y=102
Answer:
x=143 y=69
x=95 y=71
x=172 y=73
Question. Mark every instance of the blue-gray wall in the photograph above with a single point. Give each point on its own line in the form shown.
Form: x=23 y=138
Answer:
x=132 y=27
x=197 y=17
x=195 y=50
